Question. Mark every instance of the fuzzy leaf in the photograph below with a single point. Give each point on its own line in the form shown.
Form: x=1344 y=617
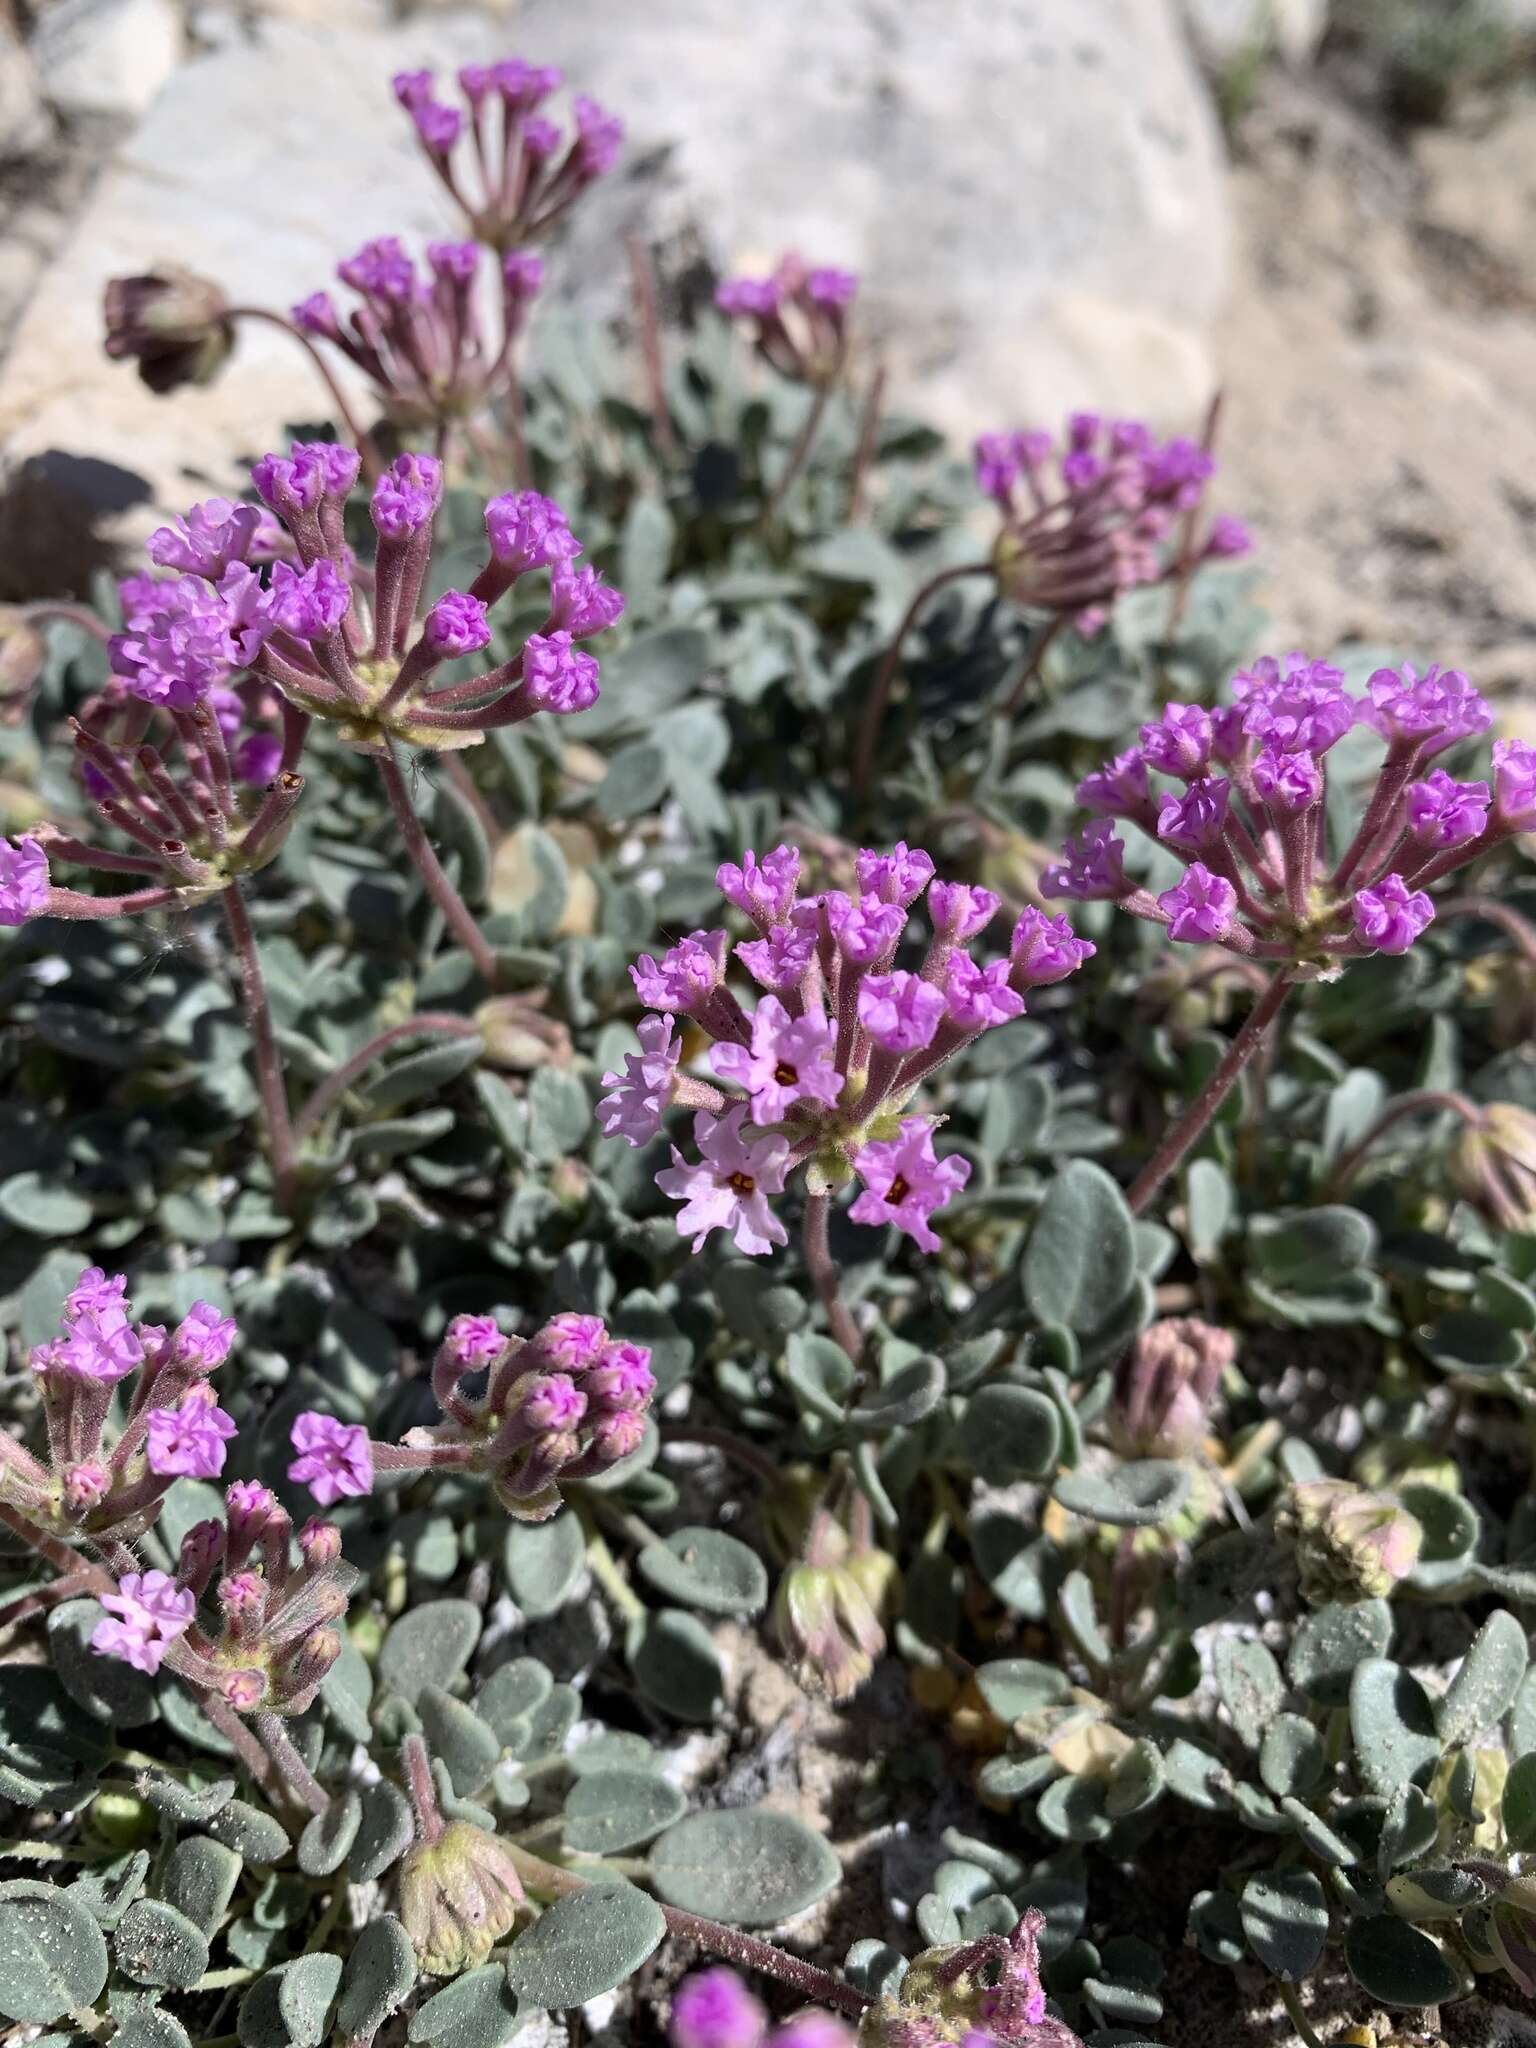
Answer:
x=543 y=1562
x=1484 y=1689
x=199 y=1878
x=607 y=1812
x=743 y=1865
x=53 y=1958
x=467 y=1745
x=290 y=2006
x=1393 y=1724
x=478 y=2010
x=675 y=1664
x=583 y=1945
x=1329 y=1643
x=1129 y=1497
x=1250 y=1684
x=429 y=1646
x=1081 y=1257
x=1010 y=1433
x=384 y=1832
x=707 y=1569
x=327 y=1840
x=1399 y=1964
x=157 y=1944
x=1285 y=1917
x=377 y=1980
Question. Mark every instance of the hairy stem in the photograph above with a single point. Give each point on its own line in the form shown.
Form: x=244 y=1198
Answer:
x=423 y=1793
x=1419 y=1099
x=326 y=1093
x=455 y=910
x=270 y=1083
x=825 y=1276
x=745 y=1950
x=879 y=696
x=293 y=1770
x=256 y=1759
x=1193 y=1123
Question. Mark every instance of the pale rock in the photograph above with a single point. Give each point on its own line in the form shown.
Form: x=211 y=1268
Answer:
x=1032 y=191
x=108 y=56
x=24 y=122
x=1226 y=31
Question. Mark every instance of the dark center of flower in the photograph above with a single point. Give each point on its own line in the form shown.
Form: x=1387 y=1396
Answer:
x=897 y=1192
x=742 y=1183
x=785 y=1074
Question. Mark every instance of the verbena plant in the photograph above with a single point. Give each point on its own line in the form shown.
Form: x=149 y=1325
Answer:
x=536 y=1007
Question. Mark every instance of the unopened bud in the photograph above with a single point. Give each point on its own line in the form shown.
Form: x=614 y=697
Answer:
x=84 y=1487
x=459 y=1896
x=242 y=1595
x=619 y=1435
x=320 y=1542
x=173 y=323
x=1350 y=1544
x=245 y=1690
x=201 y=1549
x=1494 y=1165
x=249 y=1508
x=300 y=1678
x=1166 y=1387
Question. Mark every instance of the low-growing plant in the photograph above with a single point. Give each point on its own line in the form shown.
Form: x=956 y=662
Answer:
x=503 y=1048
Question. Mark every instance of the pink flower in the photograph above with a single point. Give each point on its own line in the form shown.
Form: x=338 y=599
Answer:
x=979 y=997
x=551 y=1400
x=188 y=1441
x=203 y=1337
x=557 y=676
x=1179 y=743
x=632 y=1110
x=788 y=1061
x=764 y=888
x=528 y=531
x=1445 y=813
x=98 y=1292
x=693 y=969
x=248 y=1510
x=729 y=1187
x=960 y=912
x=23 y=880
x=1290 y=782
x=258 y=758
x=899 y=876
x=778 y=959
x=1294 y=706
x=573 y=1341
x=1201 y=908
x=1092 y=865
x=904 y=1183
x=149 y=1611
x=714 y=2009
x=1439 y=706
x=900 y=1011
x=1514 y=784
x=98 y=1342
x=1119 y=788
x=335 y=1459
x=85 y=1487
x=1196 y=820
x=1045 y=949
x=618 y=1435
x=472 y=1341
x=1388 y=918
x=865 y=930
x=622 y=1377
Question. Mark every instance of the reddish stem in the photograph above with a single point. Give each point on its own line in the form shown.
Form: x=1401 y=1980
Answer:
x=270 y=1082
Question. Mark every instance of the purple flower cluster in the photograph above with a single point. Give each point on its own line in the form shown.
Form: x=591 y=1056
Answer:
x=714 y=2009
x=419 y=340
x=174 y=1427
x=566 y=1403
x=1250 y=822
x=1096 y=514
x=798 y=316
x=827 y=1062
x=277 y=1635
x=521 y=174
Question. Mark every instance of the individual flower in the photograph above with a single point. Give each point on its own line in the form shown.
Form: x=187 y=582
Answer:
x=1514 y=784
x=1045 y=949
x=1093 y=865
x=1443 y=812
x=334 y=1461
x=779 y=959
x=1390 y=916
x=23 y=880
x=904 y=1182
x=728 y=1188
x=960 y=912
x=1201 y=908
x=146 y=1614
x=690 y=971
x=1195 y=822
x=1166 y=1386
x=978 y=997
x=1290 y=783
x=900 y=1011
x=188 y=1441
x=633 y=1108
x=764 y=889
x=1293 y=705
x=798 y=317
x=1119 y=789
x=1431 y=710
x=866 y=929
x=714 y=2009
x=1179 y=743
x=789 y=1060
x=899 y=876
x=557 y=676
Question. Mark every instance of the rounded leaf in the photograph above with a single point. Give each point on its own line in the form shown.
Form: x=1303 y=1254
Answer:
x=1015 y=1686
x=106 y=1687
x=384 y=1831
x=904 y=1399
x=1329 y=1643
x=1285 y=1917
x=705 y=1568
x=1292 y=1757
x=478 y=2010
x=609 y=1811
x=52 y=1954
x=583 y=1945
x=1008 y=1433
x=1398 y=1963
x=378 y=1978
x=1081 y=1257
x=1393 y=1724
x=327 y=1840
x=1251 y=1688
x=199 y=1878
x=1519 y=1807
x=542 y=1562
x=1129 y=1497
x=675 y=1664
x=252 y=1834
x=290 y=2006
x=156 y=1944
x=1484 y=1689
x=467 y=1744
x=743 y=1865
x=429 y=1646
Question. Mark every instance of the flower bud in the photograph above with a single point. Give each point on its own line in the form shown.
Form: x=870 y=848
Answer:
x=245 y=1690
x=1494 y=1165
x=320 y=1543
x=1166 y=1386
x=828 y=1628
x=459 y=1896
x=173 y=323
x=1350 y=1544
x=84 y=1487
x=300 y=1678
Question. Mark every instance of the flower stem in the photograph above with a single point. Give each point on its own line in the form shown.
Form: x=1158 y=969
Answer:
x=447 y=898
x=1419 y=1099
x=745 y=1950
x=864 y=453
x=643 y=280
x=296 y=1774
x=798 y=454
x=879 y=696
x=269 y=1062
x=1297 y=2017
x=1039 y=648
x=824 y=1274
x=326 y=1093
x=423 y=1793
x=1491 y=911
x=1192 y=1124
